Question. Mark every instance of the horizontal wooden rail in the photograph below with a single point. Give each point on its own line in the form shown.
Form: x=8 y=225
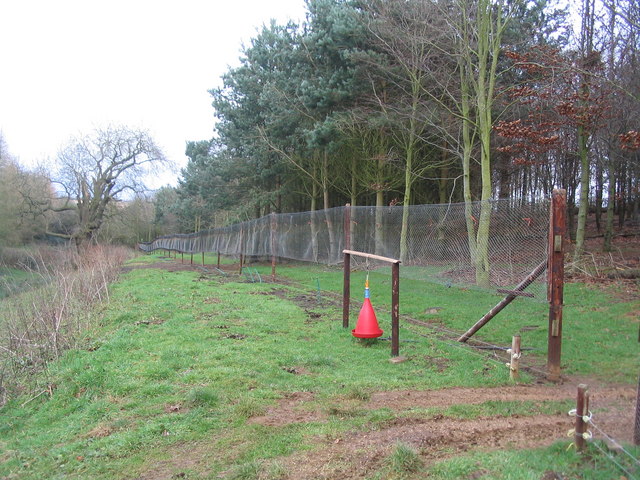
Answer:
x=371 y=255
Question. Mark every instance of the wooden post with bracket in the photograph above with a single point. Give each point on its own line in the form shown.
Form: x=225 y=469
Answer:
x=555 y=280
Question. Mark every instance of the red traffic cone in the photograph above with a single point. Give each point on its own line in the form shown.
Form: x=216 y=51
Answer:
x=367 y=325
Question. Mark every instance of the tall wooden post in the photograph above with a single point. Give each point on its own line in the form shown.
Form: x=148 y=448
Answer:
x=346 y=290
x=346 y=283
x=395 y=309
x=274 y=246
x=555 y=280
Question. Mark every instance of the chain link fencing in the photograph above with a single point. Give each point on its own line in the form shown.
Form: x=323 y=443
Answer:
x=437 y=246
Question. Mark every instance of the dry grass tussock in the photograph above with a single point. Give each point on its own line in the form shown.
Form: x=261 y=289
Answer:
x=49 y=314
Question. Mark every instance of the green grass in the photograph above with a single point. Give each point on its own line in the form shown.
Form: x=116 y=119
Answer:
x=403 y=460
x=14 y=279
x=595 y=319
x=179 y=363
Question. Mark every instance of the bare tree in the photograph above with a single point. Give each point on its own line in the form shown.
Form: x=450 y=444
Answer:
x=97 y=169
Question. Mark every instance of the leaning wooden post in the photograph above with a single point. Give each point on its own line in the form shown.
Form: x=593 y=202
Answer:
x=514 y=365
x=582 y=413
x=395 y=309
x=273 y=246
x=555 y=281
x=513 y=294
x=346 y=283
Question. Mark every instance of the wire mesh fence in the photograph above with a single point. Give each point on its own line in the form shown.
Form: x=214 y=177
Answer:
x=434 y=245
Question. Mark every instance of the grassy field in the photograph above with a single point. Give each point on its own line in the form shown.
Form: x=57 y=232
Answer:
x=194 y=375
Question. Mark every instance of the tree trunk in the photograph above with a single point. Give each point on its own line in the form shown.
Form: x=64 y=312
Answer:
x=611 y=198
x=332 y=255
x=314 y=226
x=408 y=179
x=379 y=230
x=599 y=196
x=404 y=231
x=466 y=168
x=442 y=194
x=583 y=206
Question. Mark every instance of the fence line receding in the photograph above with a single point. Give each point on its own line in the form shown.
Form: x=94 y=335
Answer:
x=437 y=245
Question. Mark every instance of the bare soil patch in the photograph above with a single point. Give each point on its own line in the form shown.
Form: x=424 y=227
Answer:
x=290 y=409
x=357 y=454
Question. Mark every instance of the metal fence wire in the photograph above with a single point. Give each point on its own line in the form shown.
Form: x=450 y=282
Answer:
x=437 y=240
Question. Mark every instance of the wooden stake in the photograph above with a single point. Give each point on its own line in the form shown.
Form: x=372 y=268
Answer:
x=514 y=366
x=582 y=411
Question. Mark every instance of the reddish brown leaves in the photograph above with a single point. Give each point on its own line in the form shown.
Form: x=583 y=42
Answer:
x=630 y=140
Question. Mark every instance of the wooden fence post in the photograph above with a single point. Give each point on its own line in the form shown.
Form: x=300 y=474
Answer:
x=346 y=290
x=582 y=411
x=241 y=250
x=395 y=309
x=514 y=366
x=555 y=281
x=346 y=282
x=273 y=246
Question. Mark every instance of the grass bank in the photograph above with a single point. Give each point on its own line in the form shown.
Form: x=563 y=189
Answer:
x=185 y=375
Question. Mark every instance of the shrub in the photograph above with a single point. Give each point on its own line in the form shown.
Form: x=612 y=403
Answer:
x=40 y=322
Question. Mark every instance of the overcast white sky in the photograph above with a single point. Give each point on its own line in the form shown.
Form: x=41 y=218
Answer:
x=68 y=66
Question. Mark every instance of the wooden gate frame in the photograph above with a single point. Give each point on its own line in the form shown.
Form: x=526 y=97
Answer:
x=395 y=294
